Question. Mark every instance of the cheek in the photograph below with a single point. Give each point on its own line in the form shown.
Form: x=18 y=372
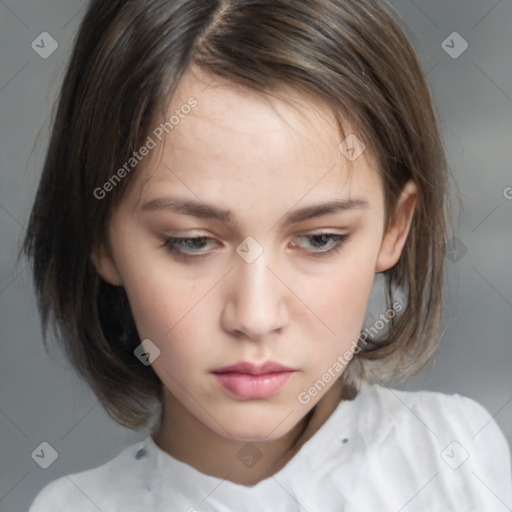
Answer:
x=173 y=314
x=162 y=310
x=340 y=296
x=158 y=295
x=344 y=309
x=180 y=328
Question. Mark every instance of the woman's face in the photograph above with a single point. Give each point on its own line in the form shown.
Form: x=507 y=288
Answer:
x=272 y=290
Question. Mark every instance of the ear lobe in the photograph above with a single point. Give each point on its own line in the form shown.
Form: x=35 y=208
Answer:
x=396 y=234
x=105 y=265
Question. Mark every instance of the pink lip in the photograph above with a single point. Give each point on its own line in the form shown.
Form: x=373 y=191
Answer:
x=252 y=381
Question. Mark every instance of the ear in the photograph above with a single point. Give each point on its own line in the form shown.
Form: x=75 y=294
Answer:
x=105 y=265
x=398 y=229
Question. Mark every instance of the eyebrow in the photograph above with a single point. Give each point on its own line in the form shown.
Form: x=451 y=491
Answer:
x=202 y=210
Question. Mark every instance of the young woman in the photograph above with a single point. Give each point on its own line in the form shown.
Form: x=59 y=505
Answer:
x=224 y=182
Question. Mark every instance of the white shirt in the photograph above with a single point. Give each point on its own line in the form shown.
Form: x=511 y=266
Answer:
x=386 y=450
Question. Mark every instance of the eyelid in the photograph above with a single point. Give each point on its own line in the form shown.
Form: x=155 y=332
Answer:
x=172 y=242
x=339 y=241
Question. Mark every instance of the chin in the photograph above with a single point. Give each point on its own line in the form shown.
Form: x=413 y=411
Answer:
x=254 y=436
x=249 y=428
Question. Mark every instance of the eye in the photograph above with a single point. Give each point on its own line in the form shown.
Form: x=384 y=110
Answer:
x=323 y=243
x=187 y=246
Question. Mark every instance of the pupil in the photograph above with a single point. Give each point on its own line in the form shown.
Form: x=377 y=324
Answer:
x=321 y=238
x=196 y=243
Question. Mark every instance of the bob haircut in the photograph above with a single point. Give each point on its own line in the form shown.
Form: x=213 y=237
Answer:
x=128 y=58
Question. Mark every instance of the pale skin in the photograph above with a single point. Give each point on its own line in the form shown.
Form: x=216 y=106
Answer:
x=295 y=304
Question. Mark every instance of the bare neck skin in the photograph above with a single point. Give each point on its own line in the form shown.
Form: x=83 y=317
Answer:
x=191 y=442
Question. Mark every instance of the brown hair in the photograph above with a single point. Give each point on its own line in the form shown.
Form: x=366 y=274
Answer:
x=128 y=59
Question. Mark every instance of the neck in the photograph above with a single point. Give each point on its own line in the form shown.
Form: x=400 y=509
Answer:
x=186 y=439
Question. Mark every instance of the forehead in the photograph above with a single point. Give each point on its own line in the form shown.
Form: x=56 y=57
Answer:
x=227 y=112
x=237 y=136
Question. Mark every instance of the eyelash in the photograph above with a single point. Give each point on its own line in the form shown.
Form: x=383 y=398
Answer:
x=172 y=245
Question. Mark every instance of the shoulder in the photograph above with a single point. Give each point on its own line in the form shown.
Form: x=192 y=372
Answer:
x=92 y=489
x=439 y=413
x=450 y=435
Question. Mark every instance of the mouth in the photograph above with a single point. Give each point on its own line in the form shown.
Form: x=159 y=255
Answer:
x=251 y=381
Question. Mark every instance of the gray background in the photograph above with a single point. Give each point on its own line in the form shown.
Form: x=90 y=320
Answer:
x=40 y=397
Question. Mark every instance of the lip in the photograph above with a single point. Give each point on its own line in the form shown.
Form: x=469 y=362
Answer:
x=254 y=369
x=248 y=380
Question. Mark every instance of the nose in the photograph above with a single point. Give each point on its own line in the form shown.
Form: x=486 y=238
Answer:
x=255 y=305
